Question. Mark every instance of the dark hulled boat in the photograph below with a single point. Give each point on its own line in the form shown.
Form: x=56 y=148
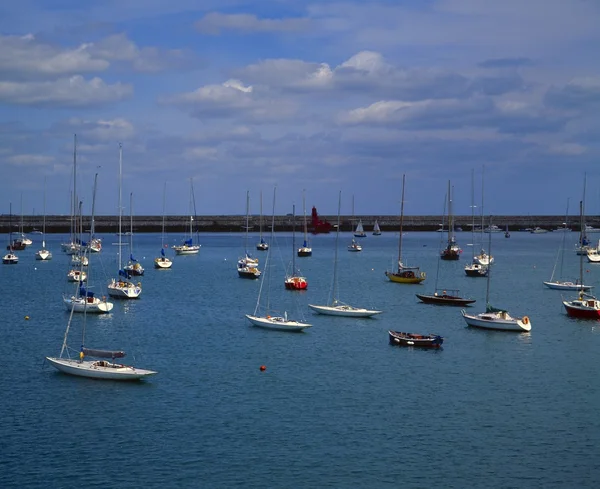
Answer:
x=399 y=338
x=445 y=298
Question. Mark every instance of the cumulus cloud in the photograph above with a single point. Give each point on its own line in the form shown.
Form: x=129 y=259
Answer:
x=26 y=56
x=119 y=47
x=213 y=23
x=65 y=92
x=232 y=98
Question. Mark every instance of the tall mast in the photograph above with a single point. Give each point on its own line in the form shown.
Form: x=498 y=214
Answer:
x=401 y=224
x=120 y=202
x=293 y=240
x=335 y=260
x=74 y=203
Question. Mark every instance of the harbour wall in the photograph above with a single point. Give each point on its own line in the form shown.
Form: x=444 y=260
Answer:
x=237 y=223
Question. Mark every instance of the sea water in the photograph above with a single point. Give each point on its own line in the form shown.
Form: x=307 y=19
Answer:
x=336 y=406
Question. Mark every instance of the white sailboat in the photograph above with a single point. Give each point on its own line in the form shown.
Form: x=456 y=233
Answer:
x=264 y=316
x=43 y=254
x=71 y=247
x=162 y=262
x=188 y=247
x=359 y=232
x=247 y=265
x=133 y=267
x=334 y=306
x=494 y=318
x=121 y=287
x=262 y=245
x=474 y=269
x=293 y=279
x=304 y=250
x=559 y=283
x=85 y=300
x=376 y=229
x=10 y=258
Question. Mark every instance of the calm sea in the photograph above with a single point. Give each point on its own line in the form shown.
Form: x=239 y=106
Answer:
x=337 y=405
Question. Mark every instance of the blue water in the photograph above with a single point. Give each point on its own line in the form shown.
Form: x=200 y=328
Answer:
x=336 y=407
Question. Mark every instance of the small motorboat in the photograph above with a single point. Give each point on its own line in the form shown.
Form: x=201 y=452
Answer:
x=399 y=338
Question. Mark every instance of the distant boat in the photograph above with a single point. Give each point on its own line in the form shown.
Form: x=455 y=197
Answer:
x=133 y=267
x=262 y=245
x=294 y=280
x=538 y=230
x=506 y=233
x=247 y=266
x=305 y=250
x=43 y=254
x=163 y=262
x=188 y=247
x=452 y=250
x=10 y=258
x=376 y=229
x=354 y=246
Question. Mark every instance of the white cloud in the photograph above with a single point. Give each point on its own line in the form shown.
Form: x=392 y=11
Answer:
x=25 y=56
x=29 y=160
x=213 y=23
x=64 y=92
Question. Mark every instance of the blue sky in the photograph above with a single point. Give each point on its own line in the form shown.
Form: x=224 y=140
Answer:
x=322 y=96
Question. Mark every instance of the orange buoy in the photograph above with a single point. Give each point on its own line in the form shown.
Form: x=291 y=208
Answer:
x=263 y=368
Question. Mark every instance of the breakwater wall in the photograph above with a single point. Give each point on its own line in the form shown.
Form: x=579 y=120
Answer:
x=234 y=223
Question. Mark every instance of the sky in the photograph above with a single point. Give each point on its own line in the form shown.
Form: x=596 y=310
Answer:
x=311 y=98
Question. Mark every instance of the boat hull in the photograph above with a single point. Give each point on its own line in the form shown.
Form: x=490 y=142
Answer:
x=249 y=273
x=445 y=300
x=98 y=370
x=296 y=283
x=405 y=277
x=10 y=259
x=398 y=338
x=94 y=306
x=303 y=252
x=476 y=270
x=277 y=323
x=43 y=255
x=583 y=309
x=162 y=263
x=124 y=290
x=567 y=286
x=186 y=250
x=344 y=310
x=493 y=321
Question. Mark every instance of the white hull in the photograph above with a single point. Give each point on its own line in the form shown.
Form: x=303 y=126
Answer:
x=567 y=286
x=76 y=276
x=98 y=369
x=43 y=255
x=186 y=250
x=277 y=323
x=162 y=263
x=593 y=256
x=497 y=321
x=124 y=290
x=10 y=259
x=95 y=306
x=344 y=310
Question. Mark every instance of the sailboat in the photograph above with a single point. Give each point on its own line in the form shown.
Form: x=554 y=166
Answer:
x=444 y=296
x=262 y=245
x=71 y=247
x=247 y=266
x=76 y=273
x=335 y=307
x=452 y=251
x=583 y=245
x=22 y=238
x=494 y=318
x=188 y=247
x=162 y=262
x=475 y=269
x=558 y=283
x=43 y=254
x=133 y=267
x=264 y=316
x=10 y=258
x=84 y=300
x=585 y=306
x=404 y=275
x=293 y=280
x=101 y=364
x=483 y=258
x=506 y=232
x=359 y=232
x=376 y=229
x=305 y=249
x=122 y=287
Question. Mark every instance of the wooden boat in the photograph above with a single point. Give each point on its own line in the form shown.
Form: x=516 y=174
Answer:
x=445 y=298
x=399 y=338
